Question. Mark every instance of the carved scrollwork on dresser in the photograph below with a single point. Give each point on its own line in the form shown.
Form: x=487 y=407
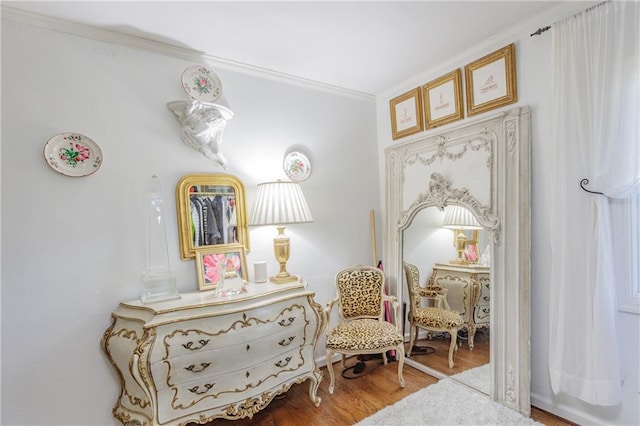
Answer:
x=199 y=361
x=132 y=395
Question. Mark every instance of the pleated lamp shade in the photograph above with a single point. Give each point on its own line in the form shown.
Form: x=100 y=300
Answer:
x=456 y=217
x=279 y=203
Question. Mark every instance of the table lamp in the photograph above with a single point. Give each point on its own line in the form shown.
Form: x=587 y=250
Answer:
x=458 y=218
x=280 y=203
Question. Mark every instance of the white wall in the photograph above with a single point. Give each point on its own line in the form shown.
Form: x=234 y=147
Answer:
x=533 y=63
x=73 y=248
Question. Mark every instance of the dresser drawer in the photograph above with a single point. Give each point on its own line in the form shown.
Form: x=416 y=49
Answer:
x=205 y=363
x=237 y=386
x=485 y=292
x=482 y=314
x=189 y=337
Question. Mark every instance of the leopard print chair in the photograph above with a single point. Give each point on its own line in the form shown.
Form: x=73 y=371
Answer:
x=361 y=327
x=438 y=317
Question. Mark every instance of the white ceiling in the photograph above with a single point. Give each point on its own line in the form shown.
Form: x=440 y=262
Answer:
x=361 y=46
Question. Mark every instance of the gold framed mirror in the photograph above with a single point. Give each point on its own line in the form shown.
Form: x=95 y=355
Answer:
x=211 y=212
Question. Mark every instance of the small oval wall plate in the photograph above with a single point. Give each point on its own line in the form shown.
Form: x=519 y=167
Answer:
x=297 y=166
x=201 y=83
x=73 y=154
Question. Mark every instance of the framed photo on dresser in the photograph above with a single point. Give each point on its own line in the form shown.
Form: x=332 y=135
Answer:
x=218 y=264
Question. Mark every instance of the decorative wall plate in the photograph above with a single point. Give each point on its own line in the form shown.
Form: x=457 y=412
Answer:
x=73 y=154
x=201 y=83
x=297 y=166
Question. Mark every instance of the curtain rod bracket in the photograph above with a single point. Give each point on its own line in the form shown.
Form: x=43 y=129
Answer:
x=541 y=30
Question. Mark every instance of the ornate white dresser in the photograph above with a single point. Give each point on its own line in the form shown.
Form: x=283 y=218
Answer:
x=205 y=356
x=469 y=293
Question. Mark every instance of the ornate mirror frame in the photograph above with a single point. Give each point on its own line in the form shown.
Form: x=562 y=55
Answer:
x=443 y=169
x=203 y=187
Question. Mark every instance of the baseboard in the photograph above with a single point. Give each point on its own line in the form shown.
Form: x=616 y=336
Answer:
x=563 y=411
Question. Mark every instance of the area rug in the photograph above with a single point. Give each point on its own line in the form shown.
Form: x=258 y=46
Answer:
x=478 y=378
x=446 y=403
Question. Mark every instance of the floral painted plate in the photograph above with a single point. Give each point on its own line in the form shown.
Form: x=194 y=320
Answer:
x=297 y=166
x=73 y=154
x=201 y=84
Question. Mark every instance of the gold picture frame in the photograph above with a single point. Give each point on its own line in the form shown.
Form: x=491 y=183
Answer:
x=491 y=81
x=406 y=114
x=443 y=100
x=219 y=264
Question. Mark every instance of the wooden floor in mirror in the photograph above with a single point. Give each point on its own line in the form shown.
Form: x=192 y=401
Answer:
x=434 y=353
x=355 y=399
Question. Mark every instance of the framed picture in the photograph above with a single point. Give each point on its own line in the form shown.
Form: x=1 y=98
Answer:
x=471 y=252
x=491 y=81
x=221 y=266
x=443 y=100
x=406 y=114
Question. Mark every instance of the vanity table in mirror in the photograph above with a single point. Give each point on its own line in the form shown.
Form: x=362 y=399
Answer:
x=205 y=357
x=468 y=292
x=483 y=166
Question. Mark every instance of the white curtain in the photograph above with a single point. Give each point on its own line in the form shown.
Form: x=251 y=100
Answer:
x=595 y=133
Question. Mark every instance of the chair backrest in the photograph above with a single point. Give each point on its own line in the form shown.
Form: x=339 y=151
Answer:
x=412 y=275
x=360 y=290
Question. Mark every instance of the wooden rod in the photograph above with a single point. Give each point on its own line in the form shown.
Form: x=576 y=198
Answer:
x=372 y=218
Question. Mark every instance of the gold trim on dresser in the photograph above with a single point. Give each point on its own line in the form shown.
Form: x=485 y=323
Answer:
x=199 y=360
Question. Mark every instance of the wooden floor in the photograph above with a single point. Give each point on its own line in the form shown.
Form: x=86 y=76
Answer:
x=437 y=357
x=352 y=401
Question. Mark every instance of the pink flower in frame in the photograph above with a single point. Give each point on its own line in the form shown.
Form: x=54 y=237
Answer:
x=233 y=263
x=214 y=267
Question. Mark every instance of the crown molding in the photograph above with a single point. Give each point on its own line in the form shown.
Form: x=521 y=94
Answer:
x=166 y=49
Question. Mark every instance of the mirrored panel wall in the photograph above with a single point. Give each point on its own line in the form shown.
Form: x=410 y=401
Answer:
x=483 y=167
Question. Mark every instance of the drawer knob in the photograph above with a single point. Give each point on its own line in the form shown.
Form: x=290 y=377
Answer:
x=286 y=342
x=189 y=345
x=196 y=369
x=287 y=321
x=198 y=391
x=284 y=363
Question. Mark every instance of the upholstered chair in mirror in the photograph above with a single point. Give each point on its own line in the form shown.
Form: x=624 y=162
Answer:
x=433 y=316
x=361 y=326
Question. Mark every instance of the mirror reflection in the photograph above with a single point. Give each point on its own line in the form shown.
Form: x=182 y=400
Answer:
x=451 y=255
x=211 y=212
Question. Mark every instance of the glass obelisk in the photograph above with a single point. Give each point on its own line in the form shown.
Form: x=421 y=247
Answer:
x=158 y=280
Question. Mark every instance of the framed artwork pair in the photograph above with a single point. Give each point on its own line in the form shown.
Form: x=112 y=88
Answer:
x=490 y=82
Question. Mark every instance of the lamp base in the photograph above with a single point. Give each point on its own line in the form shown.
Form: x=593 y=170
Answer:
x=277 y=279
x=458 y=262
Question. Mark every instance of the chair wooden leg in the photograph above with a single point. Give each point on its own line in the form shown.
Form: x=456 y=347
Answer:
x=412 y=338
x=400 y=352
x=452 y=346
x=384 y=358
x=472 y=333
x=330 y=368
